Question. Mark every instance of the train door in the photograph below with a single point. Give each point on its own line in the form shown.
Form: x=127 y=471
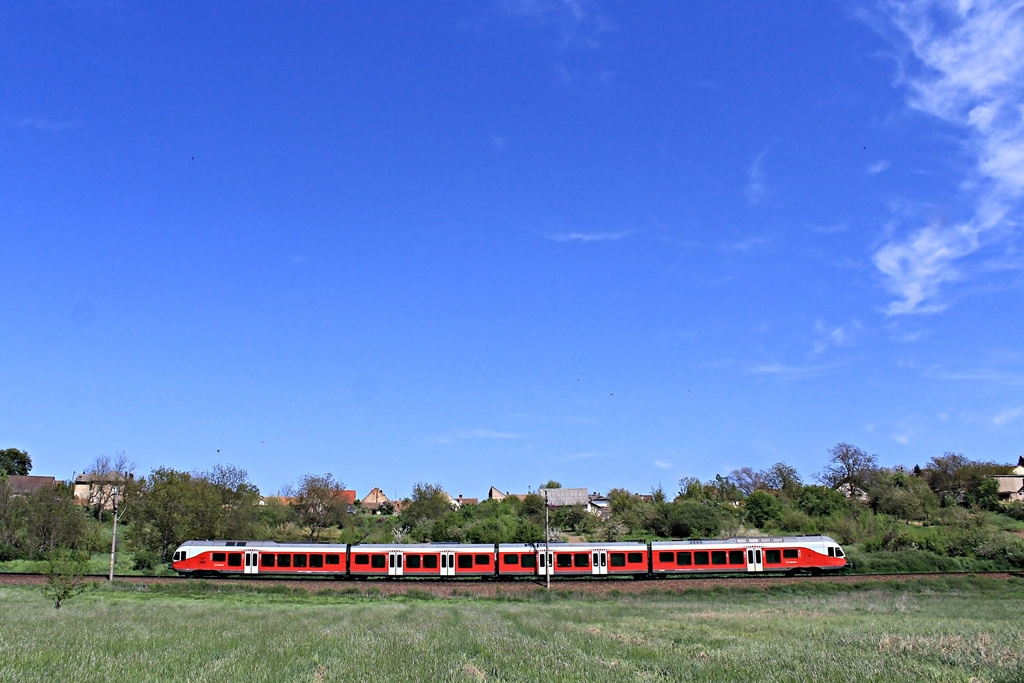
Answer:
x=600 y=560
x=545 y=566
x=754 y=563
x=251 y=558
x=394 y=563
x=447 y=563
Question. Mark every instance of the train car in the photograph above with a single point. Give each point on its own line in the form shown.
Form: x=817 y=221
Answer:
x=221 y=558
x=790 y=554
x=572 y=559
x=427 y=560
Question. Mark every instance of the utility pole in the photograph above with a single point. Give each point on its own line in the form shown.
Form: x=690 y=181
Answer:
x=113 y=538
x=547 y=542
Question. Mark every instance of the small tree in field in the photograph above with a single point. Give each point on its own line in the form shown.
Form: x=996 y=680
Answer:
x=65 y=572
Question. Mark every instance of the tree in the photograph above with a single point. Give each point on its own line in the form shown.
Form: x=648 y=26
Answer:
x=53 y=520
x=820 y=501
x=106 y=479
x=552 y=484
x=428 y=502
x=65 y=571
x=747 y=480
x=849 y=470
x=171 y=507
x=763 y=507
x=239 y=499
x=782 y=477
x=319 y=504
x=15 y=462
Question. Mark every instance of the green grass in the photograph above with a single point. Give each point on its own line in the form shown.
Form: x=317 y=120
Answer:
x=948 y=630
x=99 y=563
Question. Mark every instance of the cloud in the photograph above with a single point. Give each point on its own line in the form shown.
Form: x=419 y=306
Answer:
x=1008 y=416
x=790 y=372
x=588 y=236
x=663 y=464
x=967 y=69
x=828 y=336
x=577 y=456
x=756 y=189
x=578 y=23
x=45 y=124
x=878 y=167
x=902 y=439
x=474 y=434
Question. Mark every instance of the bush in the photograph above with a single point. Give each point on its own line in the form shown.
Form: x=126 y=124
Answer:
x=144 y=560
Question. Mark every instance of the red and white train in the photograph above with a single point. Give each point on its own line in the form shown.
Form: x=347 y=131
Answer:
x=788 y=554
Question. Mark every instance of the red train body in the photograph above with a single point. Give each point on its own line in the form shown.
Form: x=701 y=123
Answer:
x=787 y=554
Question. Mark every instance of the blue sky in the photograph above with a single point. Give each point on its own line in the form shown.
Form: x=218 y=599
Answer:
x=497 y=242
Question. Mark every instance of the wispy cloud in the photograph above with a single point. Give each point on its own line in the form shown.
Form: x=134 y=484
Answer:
x=578 y=22
x=828 y=336
x=578 y=456
x=475 y=434
x=756 y=189
x=663 y=464
x=1008 y=416
x=44 y=124
x=790 y=371
x=878 y=167
x=968 y=70
x=588 y=236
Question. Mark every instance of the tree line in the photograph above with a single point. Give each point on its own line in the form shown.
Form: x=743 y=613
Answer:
x=945 y=514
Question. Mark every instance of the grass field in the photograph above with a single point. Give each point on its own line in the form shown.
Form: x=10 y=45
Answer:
x=944 y=631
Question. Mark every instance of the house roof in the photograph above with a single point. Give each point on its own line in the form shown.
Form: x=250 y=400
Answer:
x=23 y=485
x=375 y=497
x=1010 y=483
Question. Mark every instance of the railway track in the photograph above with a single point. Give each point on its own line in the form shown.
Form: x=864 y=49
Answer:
x=463 y=587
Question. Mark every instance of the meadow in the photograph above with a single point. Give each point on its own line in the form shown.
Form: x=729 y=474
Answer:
x=952 y=630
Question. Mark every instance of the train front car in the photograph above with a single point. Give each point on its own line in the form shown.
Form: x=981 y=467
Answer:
x=228 y=558
x=789 y=554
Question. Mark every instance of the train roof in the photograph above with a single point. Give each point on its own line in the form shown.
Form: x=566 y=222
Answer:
x=563 y=545
x=750 y=540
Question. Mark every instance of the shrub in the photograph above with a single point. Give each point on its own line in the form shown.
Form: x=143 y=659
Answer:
x=144 y=560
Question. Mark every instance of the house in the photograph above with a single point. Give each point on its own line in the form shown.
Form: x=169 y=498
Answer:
x=495 y=494
x=1011 y=486
x=374 y=499
x=99 y=489
x=26 y=485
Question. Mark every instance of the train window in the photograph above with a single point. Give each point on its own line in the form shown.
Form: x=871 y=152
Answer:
x=240 y=543
x=229 y=543
x=299 y=560
x=839 y=553
x=234 y=559
x=398 y=560
x=684 y=559
x=219 y=557
x=464 y=561
x=772 y=556
x=482 y=559
x=361 y=558
x=634 y=557
x=316 y=560
x=700 y=557
x=617 y=560
x=563 y=560
x=284 y=560
x=332 y=559
x=581 y=560
x=430 y=561
x=718 y=557
x=377 y=561
x=529 y=561
x=267 y=559
x=412 y=561
x=736 y=557
x=665 y=556
x=512 y=558
x=831 y=551
x=791 y=552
